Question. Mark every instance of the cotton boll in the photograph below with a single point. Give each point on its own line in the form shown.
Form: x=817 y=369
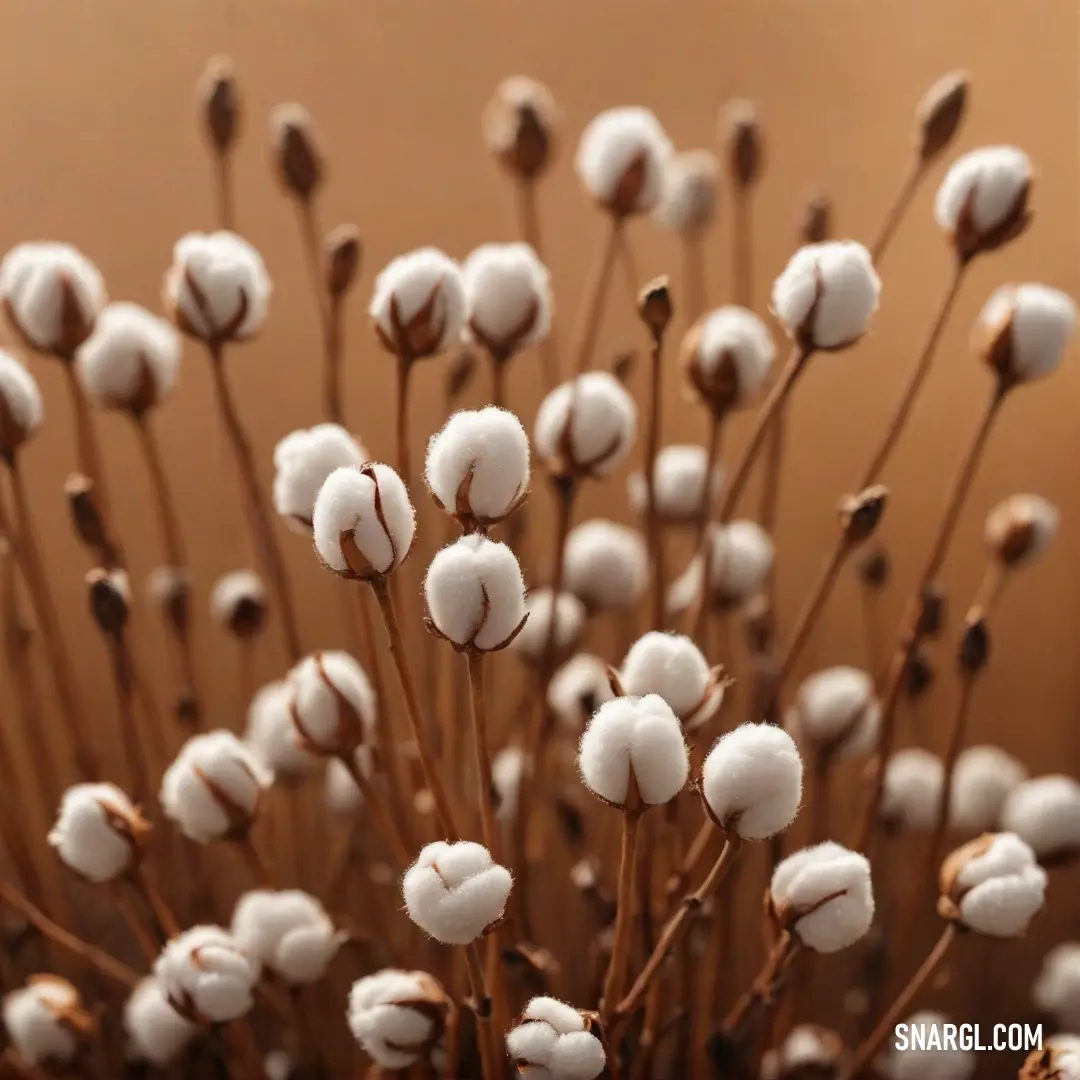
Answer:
x=520 y=126
x=398 y=1017
x=553 y=1039
x=418 y=304
x=131 y=359
x=1023 y=330
x=45 y=1020
x=277 y=1065
x=507 y=298
x=1058 y=1059
x=288 y=932
x=569 y=619
x=621 y=160
x=634 y=737
x=1057 y=988
x=578 y=689
x=742 y=559
x=727 y=356
x=341 y=794
x=586 y=427
x=752 y=781
x=1020 y=528
x=477 y=466
x=679 y=479
x=606 y=565
x=808 y=1049
x=1045 y=812
x=363 y=521
x=333 y=703
x=213 y=789
x=21 y=407
x=302 y=462
x=98 y=833
x=217 y=288
x=689 y=197
x=271 y=735
x=52 y=295
x=507 y=769
x=923 y=1062
x=158 y=1033
x=824 y=895
x=299 y=163
x=205 y=975
x=672 y=666
x=455 y=892
x=914 y=780
x=238 y=602
x=836 y=710
x=982 y=779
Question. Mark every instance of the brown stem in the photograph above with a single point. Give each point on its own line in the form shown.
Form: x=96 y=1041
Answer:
x=820 y=797
x=490 y=1058
x=130 y=737
x=257 y=868
x=595 y=293
x=653 y=530
x=147 y=946
x=499 y=366
x=624 y=913
x=762 y=991
x=870 y=604
x=704 y=545
x=223 y=189
x=528 y=216
x=693 y=275
x=742 y=264
x=389 y=827
x=88 y=448
x=957 y=738
x=898 y=209
x=166 y=920
x=694 y=855
x=404 y=371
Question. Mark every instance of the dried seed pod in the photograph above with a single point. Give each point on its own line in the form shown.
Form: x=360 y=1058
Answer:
x=343 y=251
x=975 y=645
x=940 y=114
x=875 y=568
x=296 y=157
x=741 y=134
x=219 y=102
x=860 y=514
x=520 y=126
x=110 y=599
x=655 y=308
x=816 y=224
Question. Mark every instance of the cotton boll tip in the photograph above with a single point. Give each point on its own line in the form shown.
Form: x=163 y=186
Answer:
x=861 y=514
x=655 y=307
x=342 y=254
x=1020 y=529
x=296 y=156
x=1022 y=332
x=520 y=127
x=741 y=134
x=815 y=226
x=219 y=103
x=110 y=599
x=940 y=114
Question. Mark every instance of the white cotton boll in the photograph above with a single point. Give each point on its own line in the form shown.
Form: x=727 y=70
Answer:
x=586 y=426
x=213 y=788
x=426 y=291
x=1057 y=987
x=1020 y=528
x=752 y=781
x=569 y=618
x=982 y=779
x=742 y=560
x=688 y=203
x=44 y=1020
x=606 y=565
x=807 y=1047
x=621 y=159
x=679 y=478
x=930 y=1060
x=475 y=593
x=341 y=794
x=302 y=462
x=158 y=1033
x=206 y=976
x=507 y=770
x=131 y=360
x=826 y=294
x=98 y=833
x=238 y=601
x=578 y=689
x=37 y=282
x=271 y=735
x=639 y=737
x=21 y=406
x=333 y=704
x=836 y=709
x=982 y=200
x=477 y=466
x=364 y=515
x=454 y=892
x=802 y=883
x=288 y=932
x=553 y=1040
x=728 y=354
x=217 y=287
x=397 y=1017
x=672 y=666
x=914 y=780
x=1045 y=812
x=507 y=298
x=1023 y=330
x=277 y=1065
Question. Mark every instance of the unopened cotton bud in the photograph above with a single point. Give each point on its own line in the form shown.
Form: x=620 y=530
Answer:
x=418 y=304
x=727 y=356
x=679 y=484
x=363 y=521
x=672 y=666
x=808 y=1051
x=217 y=288
x=578 y=689
x=158 y=1033
x=477 y=466
x=205 y=975
x=751 y=781
x=634 y=739
x=982 y=779
x=621 y=160
x=45 y=1020
x=342 y=252
x=110 y=599
x=823 y=894
x=569 y=618
x=219 y=102
x=169 y=588
x=914 y=779
x=688 y=203
x=1020 y=528
x=271 y=735
x=213 y=788
x=1022 y=331
x=475 y=594
x=333 y=703
x=1057 y=987
x=740 y=131
x=983 y=201
x=21 y=407
x=520 y=126
x=238 y=601
x=826 y=294
x=940 y=113
x=341 y=794
x=553 y=1039
x=816 y=222
x=131 y=359
x=302 y=462
x=455 y=892
x=398 y=1017
x=992 y=885
x=52 y=295
x=287 y=932
x=836 y=710
x=1045 y=812
x=296 y=155
x=99 y=833
x=507 y=298
x=934 y=1057
x=605 y=565
x=586 y=426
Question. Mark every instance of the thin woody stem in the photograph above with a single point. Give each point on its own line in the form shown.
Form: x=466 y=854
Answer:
x=624 y=914
x=698 y=846
x=385 y=822
x=223 y=189
x=404 y=371
x=528 y=216
x=693 y=275
x=490 y=1058
x=145 y=883
x=595 y=293
x=653 y=526
x=130 y=738
x=704 y=545
x=147 y=945
x=762 y=990
x=257 y=868
x=899 y=208
x=88 y=449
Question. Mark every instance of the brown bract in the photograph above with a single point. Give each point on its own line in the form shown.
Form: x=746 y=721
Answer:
x=75 y=327
x=503 y=348
x=470 y=646
x=352 y=731
x=940 y=114
x=861 y=514
x=343 y=251
x=215 y=335
x=952 y=892
x=422 y=335
x=463 y=513
x=970 y=241
x=519 y=125
x=220 y=103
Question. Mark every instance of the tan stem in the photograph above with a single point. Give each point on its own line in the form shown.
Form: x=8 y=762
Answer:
x=499 y=368
x=223 y=189
x=168 y=922
x=870 y=605
x=130 y=737
x=624 y=914
x=762 y=992
x=257 y=868
x=88 y=450
x=389 y=827
x=899 y=208
x=698 y=846
x=693 y=275
x=404 y=373
x=147 y=946
x=490 y=1057
x=595 y=293
x=528 y=216
x=653 y=526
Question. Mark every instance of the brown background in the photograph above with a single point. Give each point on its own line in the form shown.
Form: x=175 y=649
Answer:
x=101 y=149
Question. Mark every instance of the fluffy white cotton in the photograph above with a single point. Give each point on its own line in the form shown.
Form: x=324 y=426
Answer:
x=271 y=735
x=233 y=590
x=827 y=293
x=586 y=425
x=1057 y=987
x=397 y=1017
x=213 y=788
x=622 y=158
x=478 y=464
x=22 y=403
x=340 y=791
x=158 y=1033
x=44 y=1019
x=984 y=190
x=206 y=976
x=302 y=462
x=507 y=769
x=742 y=560
x=333 y=704
x=914 y=779
x=672 y=666
x=752 y=781
x=982 y=779
x=1020 y=528
x=639 y=737
x=288 y=932
x=454 y=892
x=733 y=347
x=801 y=884
x=926 y=1063
x=217 y=287
x=836 y=709
x=475 y=593
x=1045 y=812
x=569 y=618
x=807 y=1047
x=1023 y=330
x=688 y=203
x=507 y=297
x=606 y=565
x=578 y=689
x=426 y=290
x=98 y=832
x=37 y=280
x=371 y=508
x=679 y=477
x=552 y=1040
x=131 y=360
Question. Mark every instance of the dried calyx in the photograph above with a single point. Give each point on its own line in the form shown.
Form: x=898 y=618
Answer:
x=342 y=253
x=296 y=155
x=220 y=103
x=520 y=127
